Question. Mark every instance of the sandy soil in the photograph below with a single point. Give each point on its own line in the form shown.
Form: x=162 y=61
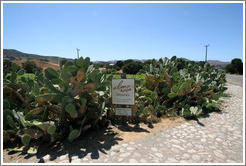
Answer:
x=133 y=132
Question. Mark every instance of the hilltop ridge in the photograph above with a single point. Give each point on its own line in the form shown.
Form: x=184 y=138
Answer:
x=12 y=54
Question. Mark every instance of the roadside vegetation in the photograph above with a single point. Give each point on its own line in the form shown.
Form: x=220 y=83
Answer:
x=236 y=67
x=57 y=105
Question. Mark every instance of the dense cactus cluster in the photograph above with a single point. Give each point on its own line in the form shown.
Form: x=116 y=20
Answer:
x=57 y=104
x=186 y=91
x=62 y=104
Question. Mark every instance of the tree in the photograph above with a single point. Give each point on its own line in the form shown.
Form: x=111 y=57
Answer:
x=101 y=64
x=7 y=66
x=181 y=63
x=109 y=66
x=31 y=67
x=128 y=61
x=236 y=66
x=63 y=61
x=118 y=65
x=132 y=67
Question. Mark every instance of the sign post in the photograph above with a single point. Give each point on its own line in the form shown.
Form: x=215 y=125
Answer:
x=123 y=96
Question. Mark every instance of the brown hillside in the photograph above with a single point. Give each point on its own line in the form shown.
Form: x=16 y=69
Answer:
x=41 y=64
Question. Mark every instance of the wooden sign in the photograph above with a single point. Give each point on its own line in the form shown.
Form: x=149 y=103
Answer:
x=123 y=111
x=123 y=91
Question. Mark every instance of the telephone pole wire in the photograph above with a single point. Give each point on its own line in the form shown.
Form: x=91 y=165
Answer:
x=206 y=53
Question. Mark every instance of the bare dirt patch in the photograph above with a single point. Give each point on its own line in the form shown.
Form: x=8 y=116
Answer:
x=142 y=130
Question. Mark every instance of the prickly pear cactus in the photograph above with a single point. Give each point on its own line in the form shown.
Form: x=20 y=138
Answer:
x=186 y=90
x=79 y=90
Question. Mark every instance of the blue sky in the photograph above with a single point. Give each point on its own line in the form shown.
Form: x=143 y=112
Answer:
x=119 y=31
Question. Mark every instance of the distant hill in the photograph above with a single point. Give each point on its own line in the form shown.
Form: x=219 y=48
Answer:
x=218 y=64
x=12 y=54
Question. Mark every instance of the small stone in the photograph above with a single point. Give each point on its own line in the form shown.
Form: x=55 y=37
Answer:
x=191 y=151
x=122 y=150
x=125 y=155
x=130 y=148
x=159 y=155
x=76 y=161
x=154 y=149
x=85 y=159
x=133 y=161
x=183 y=161
x=193 y=130
x=196 y=157
x=112 y=153
x=171 y=160
x=143 y=161
x=155 y=161
x=175 y=150
x=199 y=146
x=189 y=144
x=120 y=159
x=137 y=154
x=124 y=145
x=74 y=156
x=64 y=161
x=230 y=161
x=105 y=160
x=212 y=135
x=116 y=147
x=203 y=140
x=62 y=157
x=132 y=143
x=218 y=139
x=176 y=141
x=218 y=154
x=186 y=155
x=46 y=157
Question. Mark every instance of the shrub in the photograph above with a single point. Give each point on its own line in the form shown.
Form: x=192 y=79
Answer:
x=31 y=67
x=236 y=66
x=132 y=67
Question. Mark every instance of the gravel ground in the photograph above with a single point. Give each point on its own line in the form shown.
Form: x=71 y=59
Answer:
x=214 y=139
x=235 y=79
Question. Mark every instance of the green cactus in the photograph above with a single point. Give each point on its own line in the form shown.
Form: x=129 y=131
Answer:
x=176 y=86
x=73 y=135
x=11 y=122
x=6 y=104
x=79 y=90
x=32 y=151
x=70 y=108
x=51 y=130
x=26 y=139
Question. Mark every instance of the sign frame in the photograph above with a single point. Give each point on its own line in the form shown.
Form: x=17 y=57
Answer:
x=122 y=109
x=133 y=91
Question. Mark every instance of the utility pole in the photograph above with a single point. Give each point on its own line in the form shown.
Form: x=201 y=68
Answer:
x=78 y=52
x=206 y=53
